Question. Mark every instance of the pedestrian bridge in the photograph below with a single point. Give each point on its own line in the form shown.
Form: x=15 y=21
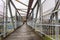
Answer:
x=29 y=19
x=25 y=32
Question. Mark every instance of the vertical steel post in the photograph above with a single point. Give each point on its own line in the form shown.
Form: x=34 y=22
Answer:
x=33 y=19
x=15 y=19
x=19 y=20
x=5 y=19
x=33 y=14
x=3 y=16
x=37 y=12
x=56 y=28
x=11 y=14
x=40 y=11
x=36 y=16
x=56 y=23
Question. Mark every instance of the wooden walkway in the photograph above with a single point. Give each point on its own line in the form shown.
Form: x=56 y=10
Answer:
x=23 y=33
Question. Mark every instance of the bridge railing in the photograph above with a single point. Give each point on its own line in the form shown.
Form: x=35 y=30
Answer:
x=48 y=26
x=9 y=22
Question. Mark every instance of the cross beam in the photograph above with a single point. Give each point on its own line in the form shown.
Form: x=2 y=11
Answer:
x=22 y=3
x=33 y=7
x=29 y=7
x=56 y=7
x=15 y=6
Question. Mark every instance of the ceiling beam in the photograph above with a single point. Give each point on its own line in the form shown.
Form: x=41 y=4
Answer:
x=33 y=7
x=15 y=7
x=55 y=8
x=29 y=7
x=23 y=9
x=22 y=3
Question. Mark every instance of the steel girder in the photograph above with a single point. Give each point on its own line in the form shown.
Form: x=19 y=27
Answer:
x=29 y=7
x=15 y=7
x=22 y=3
x=32 y=9
x=56 y=13
x=11 y=14
x=37 y=12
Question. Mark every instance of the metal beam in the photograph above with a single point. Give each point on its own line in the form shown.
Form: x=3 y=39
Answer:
x=33 y=8
x=56 y=7
x=5 y=19
x=15 y=19
x=37 y=12
x=56 y=27
x=23 y=9
x=15 y=6
x=22 y=3
x=51 y=12
x=19 y=13
x=11 y=14
x=29 y=7
x=40 y=14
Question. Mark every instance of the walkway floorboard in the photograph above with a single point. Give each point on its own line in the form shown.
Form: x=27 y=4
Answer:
x=23 y=33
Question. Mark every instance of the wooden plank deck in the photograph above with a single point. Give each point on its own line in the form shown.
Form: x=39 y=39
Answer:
x=23 y=33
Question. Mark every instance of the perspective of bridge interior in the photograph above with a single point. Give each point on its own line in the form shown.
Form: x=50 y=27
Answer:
x=29 y=19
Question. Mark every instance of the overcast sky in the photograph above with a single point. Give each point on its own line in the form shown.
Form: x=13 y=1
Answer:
x=18 y=5
x=48 y=5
